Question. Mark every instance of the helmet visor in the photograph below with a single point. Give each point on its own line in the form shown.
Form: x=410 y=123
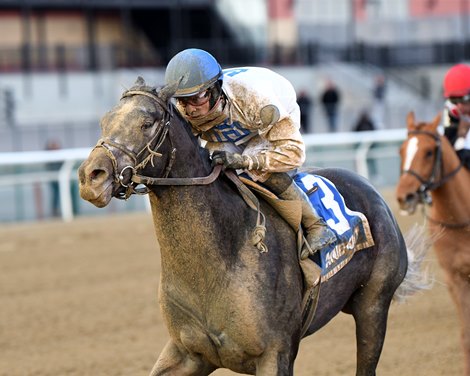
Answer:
x=457 y=100
x=195 y=100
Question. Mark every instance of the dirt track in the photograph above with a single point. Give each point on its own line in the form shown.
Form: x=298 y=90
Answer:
x=81 y=299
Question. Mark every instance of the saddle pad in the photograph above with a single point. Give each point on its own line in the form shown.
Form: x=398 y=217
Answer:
x=351 y=227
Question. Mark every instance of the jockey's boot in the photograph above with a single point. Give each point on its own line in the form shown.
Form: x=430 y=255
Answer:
x=318 y=234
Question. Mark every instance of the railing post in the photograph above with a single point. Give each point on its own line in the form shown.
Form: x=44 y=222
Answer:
x=66 y=206
x=361 y=158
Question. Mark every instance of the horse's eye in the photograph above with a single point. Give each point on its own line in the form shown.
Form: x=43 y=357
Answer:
x=429 y=153
x=147 y=125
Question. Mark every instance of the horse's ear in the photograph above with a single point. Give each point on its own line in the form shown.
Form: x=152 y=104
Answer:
x=139 y=82
x=436 y=121
x=410 y=120
x=167 y=91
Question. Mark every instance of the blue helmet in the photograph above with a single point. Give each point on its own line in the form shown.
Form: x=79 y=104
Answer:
x=197 y=70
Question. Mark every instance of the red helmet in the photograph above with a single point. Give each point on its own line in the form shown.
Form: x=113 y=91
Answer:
x=457 y=81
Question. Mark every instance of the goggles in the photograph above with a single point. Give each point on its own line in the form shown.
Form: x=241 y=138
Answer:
x=195 y=100
x=457 y=100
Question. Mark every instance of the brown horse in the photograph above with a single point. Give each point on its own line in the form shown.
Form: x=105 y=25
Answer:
x=431 y=174
x=227 y=303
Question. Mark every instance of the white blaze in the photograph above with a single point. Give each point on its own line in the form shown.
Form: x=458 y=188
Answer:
x=411 y=150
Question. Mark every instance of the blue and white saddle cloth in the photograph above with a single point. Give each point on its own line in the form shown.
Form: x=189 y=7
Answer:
x=351 y=227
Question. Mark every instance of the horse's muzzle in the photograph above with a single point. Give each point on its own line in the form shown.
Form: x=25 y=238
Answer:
x=96 y=179
x=408 y=203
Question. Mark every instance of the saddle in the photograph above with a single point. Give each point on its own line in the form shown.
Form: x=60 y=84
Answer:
x=351 y=228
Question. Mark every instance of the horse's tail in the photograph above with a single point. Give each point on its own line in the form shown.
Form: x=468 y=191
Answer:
x=418 y=276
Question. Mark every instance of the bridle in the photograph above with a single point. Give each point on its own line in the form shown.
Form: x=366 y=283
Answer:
x=151 y=148
x=436 y=179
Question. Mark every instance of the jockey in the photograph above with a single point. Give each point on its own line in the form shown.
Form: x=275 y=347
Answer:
x=249 y=120
x=456 y=116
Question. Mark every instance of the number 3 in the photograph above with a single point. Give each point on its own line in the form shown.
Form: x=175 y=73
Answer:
x=341 y=225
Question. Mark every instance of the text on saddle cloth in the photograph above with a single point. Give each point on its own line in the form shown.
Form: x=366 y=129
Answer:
x=351 y=227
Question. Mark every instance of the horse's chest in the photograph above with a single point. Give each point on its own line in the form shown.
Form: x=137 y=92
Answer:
x=225 y=334
x=453 y=254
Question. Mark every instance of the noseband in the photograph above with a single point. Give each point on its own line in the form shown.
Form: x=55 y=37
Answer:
x=151 y=148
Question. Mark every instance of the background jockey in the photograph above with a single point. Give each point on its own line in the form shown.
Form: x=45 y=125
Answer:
x=456 y=117
x=248 y=118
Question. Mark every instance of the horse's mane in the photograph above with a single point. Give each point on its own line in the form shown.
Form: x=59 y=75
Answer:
x=204 y=153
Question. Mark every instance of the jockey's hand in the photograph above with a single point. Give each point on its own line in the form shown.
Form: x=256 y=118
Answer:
x=238 y=161
x=230 y=160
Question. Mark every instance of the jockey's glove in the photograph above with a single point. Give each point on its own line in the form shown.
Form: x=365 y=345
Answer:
x=237 y=161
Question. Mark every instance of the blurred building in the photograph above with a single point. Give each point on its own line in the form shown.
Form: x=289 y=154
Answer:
x=63 y=63
x=38 y=35
x=41 y=35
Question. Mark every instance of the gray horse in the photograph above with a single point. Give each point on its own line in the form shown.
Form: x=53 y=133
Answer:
x=225 y=303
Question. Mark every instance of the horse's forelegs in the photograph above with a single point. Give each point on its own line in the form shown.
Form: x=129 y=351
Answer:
x=275 y=363
x=459 y=288
x=173 y=361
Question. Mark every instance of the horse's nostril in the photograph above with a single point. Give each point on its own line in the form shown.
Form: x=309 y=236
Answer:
x=410 y=197
x=96 y=174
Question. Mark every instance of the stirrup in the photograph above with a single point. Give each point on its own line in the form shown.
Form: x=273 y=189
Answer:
x=326 y=237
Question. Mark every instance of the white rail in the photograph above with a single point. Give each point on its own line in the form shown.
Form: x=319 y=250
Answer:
x=359 y=142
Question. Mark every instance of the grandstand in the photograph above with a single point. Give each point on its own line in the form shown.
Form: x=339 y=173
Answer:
x=63 y=64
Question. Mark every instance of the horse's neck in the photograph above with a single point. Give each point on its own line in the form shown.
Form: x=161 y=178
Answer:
x=451 y=199
x=195 y=224
x=200 y=233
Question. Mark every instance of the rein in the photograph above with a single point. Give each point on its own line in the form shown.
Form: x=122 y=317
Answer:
x=204 y=180
x=432 y=183
x=452 y=226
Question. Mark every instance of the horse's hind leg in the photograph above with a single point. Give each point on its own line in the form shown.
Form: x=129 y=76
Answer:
x=370 y=315
x=174 y=362
x=369 y=307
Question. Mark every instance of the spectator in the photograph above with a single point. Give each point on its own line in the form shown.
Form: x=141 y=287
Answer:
x=364 y=123
x=378 y=94
x=305 y=103
x=330 y=100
